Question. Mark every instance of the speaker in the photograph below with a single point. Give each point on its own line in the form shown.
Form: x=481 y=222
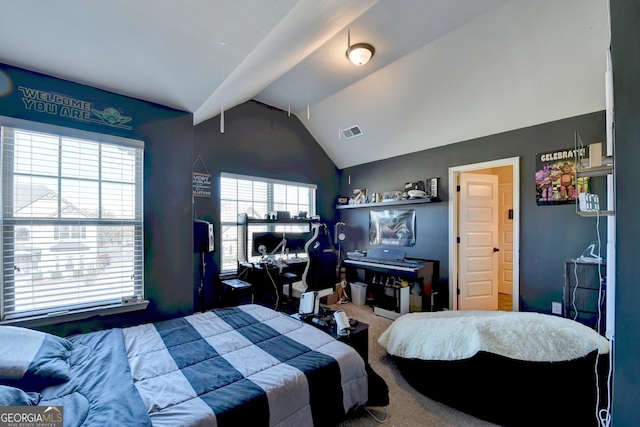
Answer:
x=203 y=239
x=339 y=234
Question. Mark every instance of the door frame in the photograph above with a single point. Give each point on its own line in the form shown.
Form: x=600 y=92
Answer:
x=514 y=162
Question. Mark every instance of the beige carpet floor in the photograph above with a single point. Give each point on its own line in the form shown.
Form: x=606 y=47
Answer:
x=407 y=407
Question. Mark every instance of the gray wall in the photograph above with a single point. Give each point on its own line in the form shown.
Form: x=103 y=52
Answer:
x=262 y=141
x=549 y=234
x=625 y=48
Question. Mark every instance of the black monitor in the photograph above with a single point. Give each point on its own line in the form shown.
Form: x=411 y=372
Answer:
x=296 y=241
x=269 y=239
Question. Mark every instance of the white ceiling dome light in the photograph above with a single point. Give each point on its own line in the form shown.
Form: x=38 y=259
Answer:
x=360 y=53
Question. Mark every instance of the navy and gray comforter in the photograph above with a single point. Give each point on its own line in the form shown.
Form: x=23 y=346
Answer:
x=246 y=365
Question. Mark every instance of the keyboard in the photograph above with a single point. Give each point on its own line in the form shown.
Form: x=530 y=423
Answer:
x=404 y=265
x=396 y=262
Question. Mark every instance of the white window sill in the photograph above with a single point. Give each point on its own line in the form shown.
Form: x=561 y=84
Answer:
x=69 y=316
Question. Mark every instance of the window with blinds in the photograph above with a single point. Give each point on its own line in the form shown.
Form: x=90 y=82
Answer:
x=257 y=197
x=72 y=222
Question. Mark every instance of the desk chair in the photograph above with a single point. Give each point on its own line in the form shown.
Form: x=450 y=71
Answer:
x=320 y=272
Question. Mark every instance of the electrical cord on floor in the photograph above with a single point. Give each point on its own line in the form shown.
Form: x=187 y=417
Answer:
x=602 y=415
x=376 y=418
x=573 y=294
x=599 y=319
x=275 y=287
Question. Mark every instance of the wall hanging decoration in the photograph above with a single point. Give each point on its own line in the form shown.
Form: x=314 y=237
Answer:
x=556 y=182
x=392 y=227
x=201 y=181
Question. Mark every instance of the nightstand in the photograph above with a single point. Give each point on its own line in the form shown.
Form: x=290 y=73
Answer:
x=358 y=338
x=236 y=292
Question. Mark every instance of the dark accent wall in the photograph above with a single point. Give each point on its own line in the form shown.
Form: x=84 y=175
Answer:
x=262 y=141
x=168 y=137
x=549 y=235
x=625 y=52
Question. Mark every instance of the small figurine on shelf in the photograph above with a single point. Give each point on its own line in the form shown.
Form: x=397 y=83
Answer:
x=359 y=196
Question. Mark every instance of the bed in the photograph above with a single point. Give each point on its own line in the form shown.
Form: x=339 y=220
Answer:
x=513 y=369
x=245 y=365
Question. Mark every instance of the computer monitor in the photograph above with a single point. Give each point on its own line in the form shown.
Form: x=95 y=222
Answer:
x=269 y=239
x=295 y=241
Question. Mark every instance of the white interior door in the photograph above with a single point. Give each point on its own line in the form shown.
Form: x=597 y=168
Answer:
x=478 y=248
x=505 y=227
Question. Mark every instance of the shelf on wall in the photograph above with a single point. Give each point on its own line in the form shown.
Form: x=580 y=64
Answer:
x=393 y=203
x=596 y=213
x=604 y=167
x=585 y=162
x=595 y=171
x=278 y=221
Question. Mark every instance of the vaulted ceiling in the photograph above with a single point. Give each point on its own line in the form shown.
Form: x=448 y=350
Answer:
x=444 y=71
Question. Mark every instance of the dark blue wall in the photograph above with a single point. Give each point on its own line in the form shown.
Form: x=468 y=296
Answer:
x=549 y=235
x=262 y=141
x=168 y=137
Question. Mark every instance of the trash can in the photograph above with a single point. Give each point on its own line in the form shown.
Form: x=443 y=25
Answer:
x=358 y=293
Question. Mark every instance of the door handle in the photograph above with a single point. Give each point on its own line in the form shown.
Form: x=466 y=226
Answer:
x=496 y=250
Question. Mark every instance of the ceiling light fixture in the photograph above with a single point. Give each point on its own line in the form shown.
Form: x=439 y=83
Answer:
x=360 y=53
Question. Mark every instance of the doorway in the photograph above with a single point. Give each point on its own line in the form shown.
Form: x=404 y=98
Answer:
x=508 y=171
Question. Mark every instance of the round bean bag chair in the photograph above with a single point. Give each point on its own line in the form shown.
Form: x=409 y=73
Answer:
x=510 y=368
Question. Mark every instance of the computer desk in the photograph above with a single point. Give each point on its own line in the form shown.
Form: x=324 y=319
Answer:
x=264 y=275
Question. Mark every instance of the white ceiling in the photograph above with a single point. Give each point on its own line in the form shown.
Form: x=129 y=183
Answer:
x=444 y=71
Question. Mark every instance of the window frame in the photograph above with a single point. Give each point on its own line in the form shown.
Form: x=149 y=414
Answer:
x=75 y=228
x=270 y=201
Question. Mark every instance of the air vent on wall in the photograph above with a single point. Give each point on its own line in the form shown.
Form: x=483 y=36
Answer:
x=351 y=132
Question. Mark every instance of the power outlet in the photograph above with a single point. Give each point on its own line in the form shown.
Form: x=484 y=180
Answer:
x=556 y=308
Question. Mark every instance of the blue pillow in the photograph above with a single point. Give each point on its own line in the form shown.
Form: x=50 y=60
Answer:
x=11 y=396
x=33 y=359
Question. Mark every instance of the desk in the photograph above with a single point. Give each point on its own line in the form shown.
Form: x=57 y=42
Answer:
x=268 y=280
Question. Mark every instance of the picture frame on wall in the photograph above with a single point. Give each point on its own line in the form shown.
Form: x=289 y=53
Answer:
x=555 y=177
x=392 y=227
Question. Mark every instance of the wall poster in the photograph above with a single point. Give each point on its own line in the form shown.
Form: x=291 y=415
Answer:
x=556 y=181
x=392 y=227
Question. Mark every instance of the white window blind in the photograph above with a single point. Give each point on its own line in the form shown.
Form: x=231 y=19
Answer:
x=257 y=197
x=72 y=222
